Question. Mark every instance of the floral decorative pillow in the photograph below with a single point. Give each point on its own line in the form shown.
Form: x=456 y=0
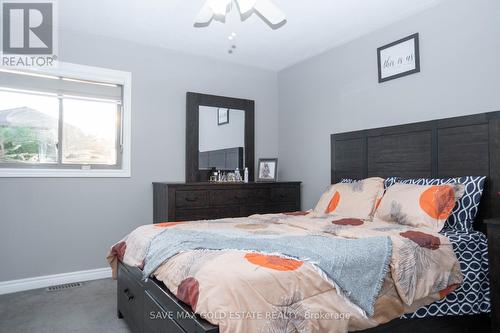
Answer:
x=464 y=213
x=426 y=206
x=379 y=197
x=356 y=199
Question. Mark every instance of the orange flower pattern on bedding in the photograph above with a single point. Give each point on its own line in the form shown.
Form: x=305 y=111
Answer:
x=299 y=213
x=273 y=262
x=167 y=224
x=353 y=222
x=119 y=250
x=422 y=239
x=438 y=201
x=188 y=292
x=333 y=203
x=446 y=291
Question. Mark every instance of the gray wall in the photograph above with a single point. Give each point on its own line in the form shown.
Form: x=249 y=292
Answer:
x=50 y=226
x=338 y=91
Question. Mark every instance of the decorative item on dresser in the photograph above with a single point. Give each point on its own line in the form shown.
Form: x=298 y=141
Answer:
x=268 y=170
x=494 y=257
x=202 y=201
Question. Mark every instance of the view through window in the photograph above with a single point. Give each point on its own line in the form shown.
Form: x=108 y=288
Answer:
x=56 y=122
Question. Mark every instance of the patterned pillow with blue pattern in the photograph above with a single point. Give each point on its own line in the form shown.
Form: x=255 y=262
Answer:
x=388 y=182
x=465 y=211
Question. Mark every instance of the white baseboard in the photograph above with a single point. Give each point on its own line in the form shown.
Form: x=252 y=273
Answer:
x=7 y=287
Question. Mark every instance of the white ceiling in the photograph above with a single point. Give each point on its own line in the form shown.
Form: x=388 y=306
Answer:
x=313 y=26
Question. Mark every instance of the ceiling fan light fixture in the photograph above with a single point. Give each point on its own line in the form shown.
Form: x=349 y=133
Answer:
x=205 y=15
x=218 y=9
x=246 y=6
x=270 y=12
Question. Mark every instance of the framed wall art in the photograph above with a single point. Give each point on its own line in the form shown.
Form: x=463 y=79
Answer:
x=398 y=59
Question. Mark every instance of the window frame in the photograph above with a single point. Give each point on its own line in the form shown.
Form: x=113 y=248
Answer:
x=122 y=168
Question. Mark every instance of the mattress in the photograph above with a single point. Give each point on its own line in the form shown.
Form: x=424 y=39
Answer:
x=473 y=296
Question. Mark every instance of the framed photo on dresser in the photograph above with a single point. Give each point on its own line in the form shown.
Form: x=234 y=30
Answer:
x=268 y=170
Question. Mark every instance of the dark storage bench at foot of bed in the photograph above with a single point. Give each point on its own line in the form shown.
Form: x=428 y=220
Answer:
x=150 y=307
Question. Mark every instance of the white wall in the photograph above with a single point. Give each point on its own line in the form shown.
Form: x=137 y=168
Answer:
x=339 y=91
x=50 y=226
x=213 y=136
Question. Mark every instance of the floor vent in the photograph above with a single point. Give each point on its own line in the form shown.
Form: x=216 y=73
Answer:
x=65 y=286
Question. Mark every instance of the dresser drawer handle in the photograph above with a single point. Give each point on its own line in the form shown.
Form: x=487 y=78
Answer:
x=192 y=199
x=128 y=294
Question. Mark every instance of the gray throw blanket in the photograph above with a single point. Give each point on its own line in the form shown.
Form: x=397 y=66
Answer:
x=356 y=266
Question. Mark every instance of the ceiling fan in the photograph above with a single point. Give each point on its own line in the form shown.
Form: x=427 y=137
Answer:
x=217 y=9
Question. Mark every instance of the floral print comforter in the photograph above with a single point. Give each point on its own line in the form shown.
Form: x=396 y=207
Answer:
x=260 y=292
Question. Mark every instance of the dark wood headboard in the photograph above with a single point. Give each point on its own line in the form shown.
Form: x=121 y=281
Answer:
x=452 y=147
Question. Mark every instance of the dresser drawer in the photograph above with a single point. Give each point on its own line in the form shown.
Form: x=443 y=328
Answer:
x=284 y=194
x=239 y=196
x=207 y=213
x=130 y=299
x=191 y=199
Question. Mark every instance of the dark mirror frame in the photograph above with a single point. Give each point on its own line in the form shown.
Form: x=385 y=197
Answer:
x=193 y=102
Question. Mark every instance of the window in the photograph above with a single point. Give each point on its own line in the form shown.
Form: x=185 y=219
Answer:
x=70 y=122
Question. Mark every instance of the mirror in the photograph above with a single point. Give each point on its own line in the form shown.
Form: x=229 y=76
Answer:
x=220 y=134
x=221 y=138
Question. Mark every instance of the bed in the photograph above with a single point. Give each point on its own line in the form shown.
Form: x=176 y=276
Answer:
x=412 y=150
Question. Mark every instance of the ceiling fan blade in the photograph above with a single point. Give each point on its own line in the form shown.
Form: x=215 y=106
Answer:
x=205 y=15
x=246 y=5
x=270 y=11
x=220 y=7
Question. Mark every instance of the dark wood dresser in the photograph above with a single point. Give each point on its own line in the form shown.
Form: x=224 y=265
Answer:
x=494 y=258
x=205 y=201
